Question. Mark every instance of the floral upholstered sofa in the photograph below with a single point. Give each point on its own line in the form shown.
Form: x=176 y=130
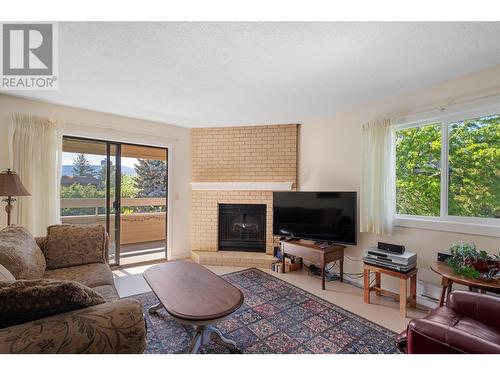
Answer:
x=57 y=295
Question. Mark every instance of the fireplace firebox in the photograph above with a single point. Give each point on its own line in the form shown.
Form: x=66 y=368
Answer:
x=242 y=227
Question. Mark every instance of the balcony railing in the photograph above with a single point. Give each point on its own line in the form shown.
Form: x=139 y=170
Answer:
x=134 y=227
x=101 y=202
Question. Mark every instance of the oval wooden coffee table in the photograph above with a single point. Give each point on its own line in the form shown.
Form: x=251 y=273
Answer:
x=195 y=296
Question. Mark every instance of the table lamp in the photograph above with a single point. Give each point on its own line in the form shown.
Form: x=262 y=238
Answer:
x=10 y=185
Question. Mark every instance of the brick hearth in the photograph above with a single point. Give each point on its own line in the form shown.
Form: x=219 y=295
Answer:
x=233 y=258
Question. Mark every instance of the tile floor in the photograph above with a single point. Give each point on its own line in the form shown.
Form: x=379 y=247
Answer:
x=382 y=310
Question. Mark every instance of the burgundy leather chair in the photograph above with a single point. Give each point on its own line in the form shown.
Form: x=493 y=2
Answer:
x=468 y=323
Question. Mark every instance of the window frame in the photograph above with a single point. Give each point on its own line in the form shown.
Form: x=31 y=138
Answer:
x=446 y=222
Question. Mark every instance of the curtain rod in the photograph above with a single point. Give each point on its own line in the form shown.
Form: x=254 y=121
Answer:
x=446 y=106
x=117 y=130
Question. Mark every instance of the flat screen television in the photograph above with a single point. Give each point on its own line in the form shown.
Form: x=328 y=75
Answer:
x=319 y=216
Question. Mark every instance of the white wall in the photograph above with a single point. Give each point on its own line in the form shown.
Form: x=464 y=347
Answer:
x=329 y=156
x=111 y=127
x=330 y=159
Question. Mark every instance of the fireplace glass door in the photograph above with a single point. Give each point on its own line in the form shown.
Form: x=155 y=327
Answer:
x=242 y=227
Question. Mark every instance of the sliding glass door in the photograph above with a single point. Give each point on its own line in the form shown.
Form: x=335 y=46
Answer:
x=122 y=187
x=143 y=201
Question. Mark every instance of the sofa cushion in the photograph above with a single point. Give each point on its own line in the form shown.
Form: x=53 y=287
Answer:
x=480 y=332
x=91 y=275
x=20 y=254
x=444 y=330
x=27 y=300
x=5 y=275
x=74 y=245
x=108 y=292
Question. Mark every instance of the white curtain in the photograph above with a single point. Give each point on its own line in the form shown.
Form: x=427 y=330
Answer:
x=377 y=179
x=35 y=154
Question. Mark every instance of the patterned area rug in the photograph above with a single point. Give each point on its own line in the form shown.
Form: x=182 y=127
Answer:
x=276 y=317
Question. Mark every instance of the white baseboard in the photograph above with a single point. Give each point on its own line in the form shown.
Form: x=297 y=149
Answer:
x=428 y=294
x=180 y=256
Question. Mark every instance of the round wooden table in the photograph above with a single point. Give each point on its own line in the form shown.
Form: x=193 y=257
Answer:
x=448 y=278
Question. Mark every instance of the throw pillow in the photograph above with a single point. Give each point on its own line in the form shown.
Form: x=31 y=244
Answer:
x=20 y=254
x=27 y=300
x=75 y=245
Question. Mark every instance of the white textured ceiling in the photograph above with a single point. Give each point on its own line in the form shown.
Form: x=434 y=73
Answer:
x=216 y=74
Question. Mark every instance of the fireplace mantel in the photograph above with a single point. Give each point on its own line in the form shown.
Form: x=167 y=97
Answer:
x=255 y=186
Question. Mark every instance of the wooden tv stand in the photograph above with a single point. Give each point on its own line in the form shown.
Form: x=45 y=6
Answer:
x=319 y=255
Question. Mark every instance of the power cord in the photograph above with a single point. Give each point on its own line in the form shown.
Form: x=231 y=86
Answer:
x=356 y=275
x=316 y=271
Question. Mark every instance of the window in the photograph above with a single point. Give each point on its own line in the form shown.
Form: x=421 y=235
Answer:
x=474 y=167
x=418 y=170
x=448 y=169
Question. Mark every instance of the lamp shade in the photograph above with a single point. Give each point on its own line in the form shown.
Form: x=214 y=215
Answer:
x=10 y=185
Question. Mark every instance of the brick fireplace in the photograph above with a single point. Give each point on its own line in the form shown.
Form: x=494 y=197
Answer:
x=238 y=166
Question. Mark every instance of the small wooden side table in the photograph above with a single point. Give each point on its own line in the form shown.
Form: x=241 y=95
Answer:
x=448 y=278
x=403 y=286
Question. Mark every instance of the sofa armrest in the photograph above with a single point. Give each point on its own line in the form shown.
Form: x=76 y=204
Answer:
x=112 y=327
x=427 y=337
x=478 y=306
